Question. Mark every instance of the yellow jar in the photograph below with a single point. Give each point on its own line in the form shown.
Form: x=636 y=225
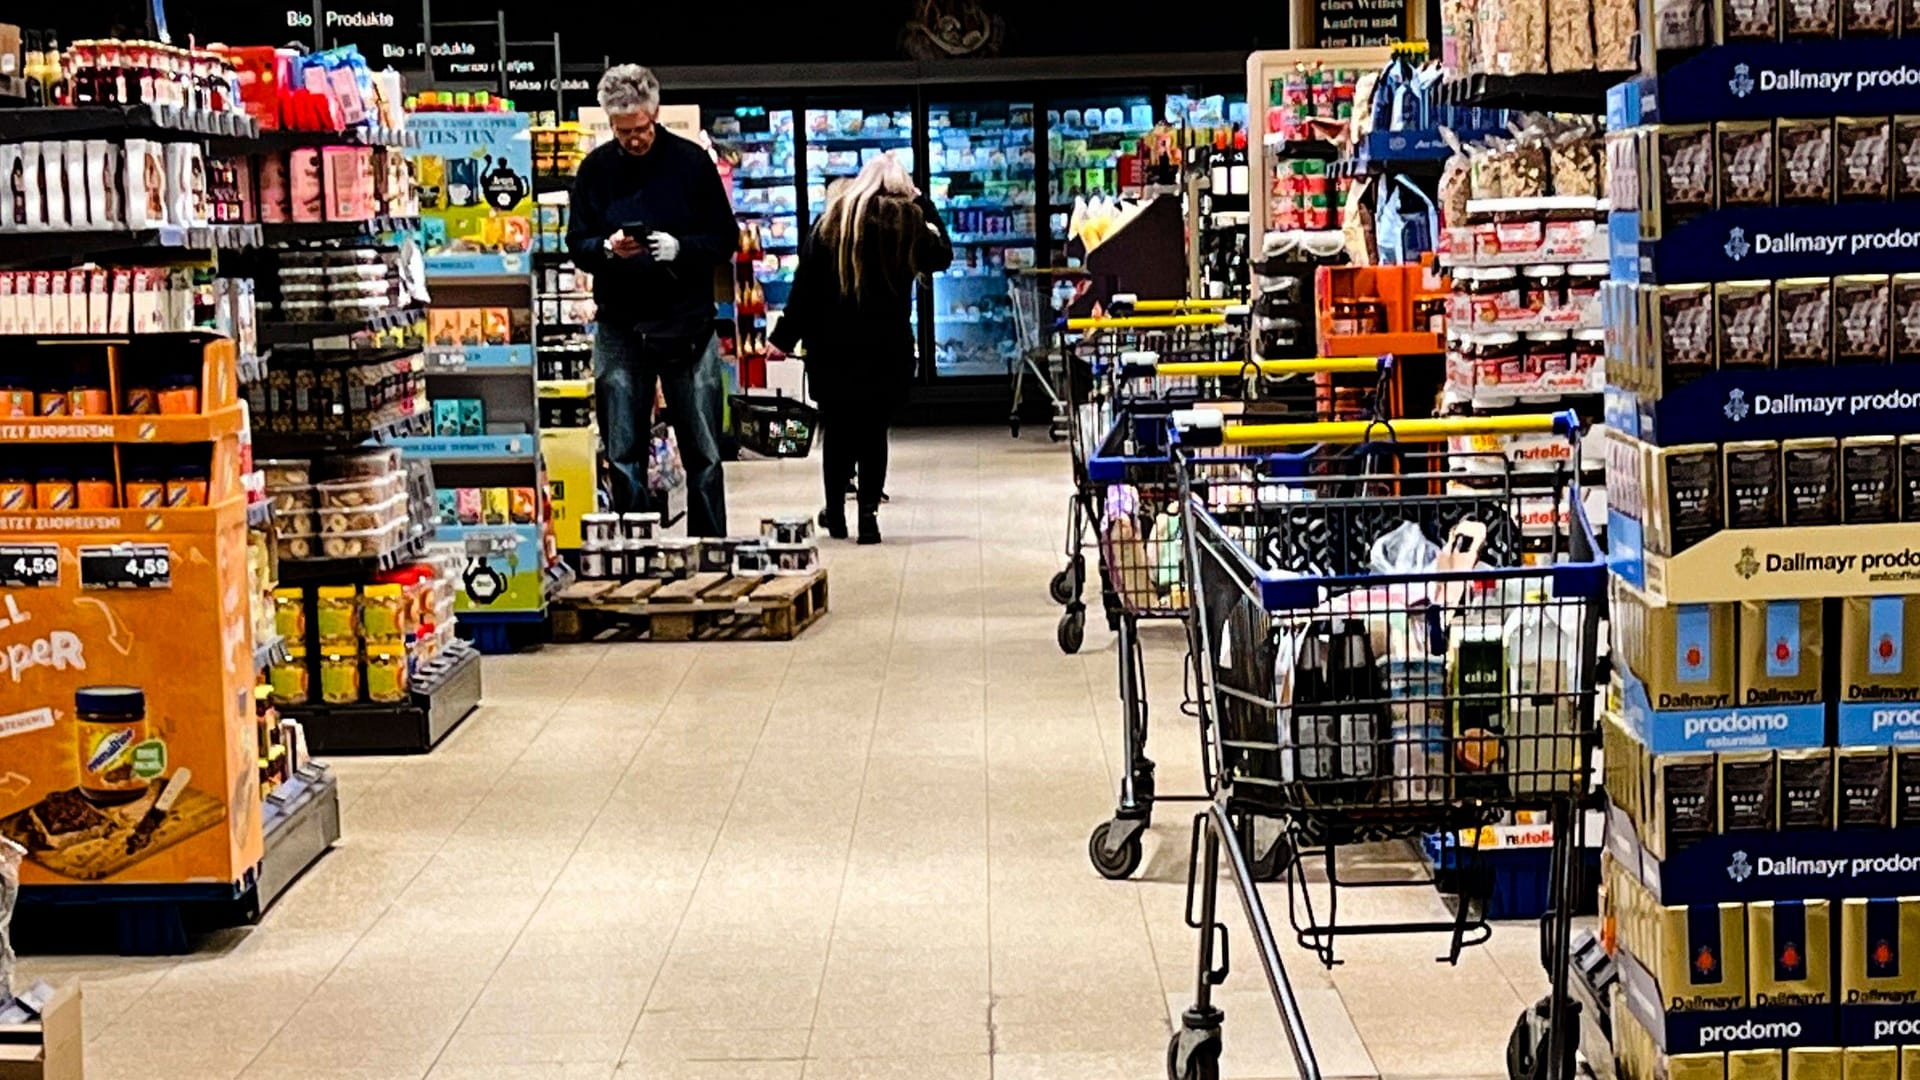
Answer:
x=339 y=677
x=290 y=614
x=289 y=678
x=335 y=610
x=383 y=614
x=387 y=672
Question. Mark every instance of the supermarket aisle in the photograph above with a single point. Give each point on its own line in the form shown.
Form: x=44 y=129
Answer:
x=858 y=855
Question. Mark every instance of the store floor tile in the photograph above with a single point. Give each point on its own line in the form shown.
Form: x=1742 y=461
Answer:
x=859 y=854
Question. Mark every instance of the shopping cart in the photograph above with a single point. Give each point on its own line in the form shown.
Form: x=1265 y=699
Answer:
x=1038 y=298
x=1383 y=649
x=1132 y=491
x=1093 y=381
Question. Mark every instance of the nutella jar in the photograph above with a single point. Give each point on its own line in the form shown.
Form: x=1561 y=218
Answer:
x=1546 y=287
x=1548 y=356
x=1583 y=285
x=1497 y=293
x=1495 y=356
x=1587 y=351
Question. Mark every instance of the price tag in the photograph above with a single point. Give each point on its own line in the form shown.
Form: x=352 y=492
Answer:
x=452 y=358
x=30 y=566
x=126 y=566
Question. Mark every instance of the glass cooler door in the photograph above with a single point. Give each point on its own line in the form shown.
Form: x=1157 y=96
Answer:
x=980 y=164
x=839 y=140
x=1086 y=136
x=759 y=141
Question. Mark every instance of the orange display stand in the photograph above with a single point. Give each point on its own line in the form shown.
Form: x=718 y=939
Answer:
x=1396 y=288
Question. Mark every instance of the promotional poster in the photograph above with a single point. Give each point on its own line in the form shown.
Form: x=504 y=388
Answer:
x=474 y=172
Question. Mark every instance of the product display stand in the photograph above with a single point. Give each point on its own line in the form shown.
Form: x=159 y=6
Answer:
x=484 y=443
x=1763 y=459
x=563 y=338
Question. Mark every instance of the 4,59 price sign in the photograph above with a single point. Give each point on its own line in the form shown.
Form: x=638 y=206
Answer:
x=126 y=566
x=30 y=566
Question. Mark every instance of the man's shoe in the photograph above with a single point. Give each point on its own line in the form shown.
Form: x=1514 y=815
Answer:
x=869 y=528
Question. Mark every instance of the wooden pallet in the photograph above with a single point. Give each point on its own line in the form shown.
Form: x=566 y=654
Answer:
x=704 y=607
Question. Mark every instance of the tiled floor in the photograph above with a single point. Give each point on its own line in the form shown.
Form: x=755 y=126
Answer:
x=861 y=854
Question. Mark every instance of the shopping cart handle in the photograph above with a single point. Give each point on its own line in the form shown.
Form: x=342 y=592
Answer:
x=1139 y=364
x=1122 y=304
x=1272 y=369
x=1198 y=427
x=1207 y=427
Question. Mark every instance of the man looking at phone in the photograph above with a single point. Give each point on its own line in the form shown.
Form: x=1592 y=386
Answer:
x=650 y=220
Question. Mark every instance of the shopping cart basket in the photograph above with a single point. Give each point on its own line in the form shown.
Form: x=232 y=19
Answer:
x=1383 y=649
x=1038 y=297
x=1090 y=376
x=1133 y=494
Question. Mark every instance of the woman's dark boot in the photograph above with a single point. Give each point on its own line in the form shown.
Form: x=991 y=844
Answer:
x=834 y=520
x=869 y=526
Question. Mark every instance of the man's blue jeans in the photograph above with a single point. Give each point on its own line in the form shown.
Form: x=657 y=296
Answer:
x=626 y=366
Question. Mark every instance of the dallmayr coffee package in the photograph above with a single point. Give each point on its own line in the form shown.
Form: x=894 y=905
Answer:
x=1806 y=789
x=1864 y=787
x=1869 y=480
x=1696 y=1067
x=1811 y=468
x=1752 y=484
x=1689 y=656
x=1803 y=322
x=1805 y=169
x=1789 y=943
x=1684 y=797
x=1744 y=324
x=1749 y=782
x=1746 y=162
x=1862 y=156
x=1910 y=478
x=1780 y=652
x=1880 y=951
x=1875 y=666
x=1815 y=1063
x=1686 y=497
x=1702 y=957
x=1905 y=313
x=1862 y=323
x=1872 y=1063
x=1756 y=1064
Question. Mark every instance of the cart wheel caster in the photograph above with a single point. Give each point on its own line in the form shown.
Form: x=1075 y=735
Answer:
x=1271 y=864
x=1062 y=587
x=1528 y=1046
x=1056 y=435
x=1015 y=425
x=1072 y=630
x=1118 y=865
x=1202 y=1062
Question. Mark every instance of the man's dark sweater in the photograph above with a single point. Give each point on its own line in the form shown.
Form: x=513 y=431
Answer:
x=672 y=188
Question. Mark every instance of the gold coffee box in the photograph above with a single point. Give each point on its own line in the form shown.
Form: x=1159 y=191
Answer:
x=1702 y=957
x=1810 y=492
x=1806 y=789
x=1906 y=792
x=1684 y=800
x=1869 y=480
x=1752 y=484
x=1910 y=1062
x=1874 y=665
x=1696 y=1067
x=1780 y=652
x=1863 y=787
x=1880 y=951
x=1755 y=1064
x=1688 y=650
x=1788 y=946
x=1815 y=1063
x=1685 y=501
x=1748 y=786
x=1872 y=1063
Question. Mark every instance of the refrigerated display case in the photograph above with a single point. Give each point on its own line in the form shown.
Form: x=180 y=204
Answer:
x=839 y=138
x=759 y=142
x=981 y=171
x=1086 y=139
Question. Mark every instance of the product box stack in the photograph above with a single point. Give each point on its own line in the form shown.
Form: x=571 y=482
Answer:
x=1762 y=747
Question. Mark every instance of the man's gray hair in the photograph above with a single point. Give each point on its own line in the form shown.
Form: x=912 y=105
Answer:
x=629 y=88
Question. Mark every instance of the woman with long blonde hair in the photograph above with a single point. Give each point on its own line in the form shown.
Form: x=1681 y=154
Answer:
x=852 y=306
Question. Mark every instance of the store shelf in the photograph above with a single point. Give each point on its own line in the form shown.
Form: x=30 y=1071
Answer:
x=565 y=388
x=987 y=240
x=280 y=140
x=295 y=231
x=443 y=695
x=300 y=820
x=1861 y=76
x=1729 y=404
x=301 y=570
x=1583 y=92
x=205 y=427
x=135 y=121
x=294 y=443
x=472 y=449
x=1402 y=344
x=197 y=335
x=890 y=140
x=1820 y=561
x=1740 y=243
x=290 y=333
x=480 y=268
x=170 y=241
x=1279 y=146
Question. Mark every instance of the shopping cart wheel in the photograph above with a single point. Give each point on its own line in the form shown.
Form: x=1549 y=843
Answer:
x=1064 y=587
x=1056 y=433
x=1527 y=1047
x=1073 y=629
x=1194 y=1055
x=1014 y=423
x=1116 y=863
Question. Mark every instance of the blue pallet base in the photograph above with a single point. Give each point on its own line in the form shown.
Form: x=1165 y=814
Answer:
x=1520 y=878
x=506 y=632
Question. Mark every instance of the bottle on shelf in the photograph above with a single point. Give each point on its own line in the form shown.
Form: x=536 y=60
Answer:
x=33 y=70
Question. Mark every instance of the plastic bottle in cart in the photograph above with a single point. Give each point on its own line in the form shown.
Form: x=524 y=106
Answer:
x=1542 y=642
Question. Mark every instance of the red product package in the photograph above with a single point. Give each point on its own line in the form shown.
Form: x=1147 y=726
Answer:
x=263 y=72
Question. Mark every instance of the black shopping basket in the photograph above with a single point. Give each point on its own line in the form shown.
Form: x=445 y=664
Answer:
x=773 y=425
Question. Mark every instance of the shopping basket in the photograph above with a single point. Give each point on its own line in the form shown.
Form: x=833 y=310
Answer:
x=1037 y=297
x=773 y=425
x=1383 y=649
x=1133 y=494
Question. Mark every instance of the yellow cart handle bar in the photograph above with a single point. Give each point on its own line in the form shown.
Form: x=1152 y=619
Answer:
x=1208 y=427
x=1152 y=306
x=1223 y=369
x=1147 y=322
